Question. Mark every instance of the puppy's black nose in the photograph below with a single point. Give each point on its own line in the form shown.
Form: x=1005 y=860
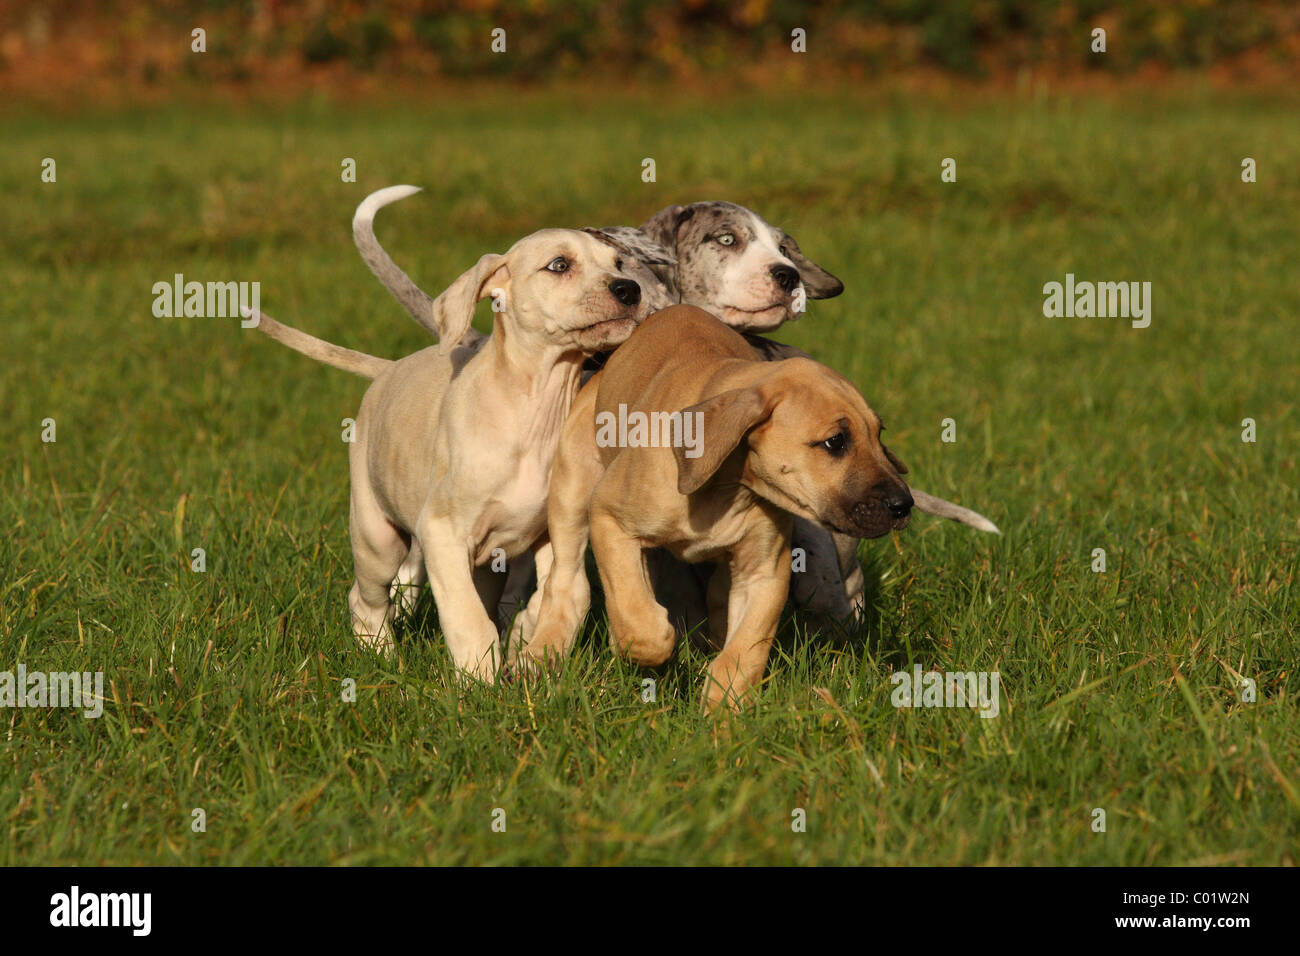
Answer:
x=786 y=277
x=626 y=291
x=899 y=505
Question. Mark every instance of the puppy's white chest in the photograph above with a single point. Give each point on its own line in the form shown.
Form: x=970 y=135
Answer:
x=525 y=496
x=517 y=515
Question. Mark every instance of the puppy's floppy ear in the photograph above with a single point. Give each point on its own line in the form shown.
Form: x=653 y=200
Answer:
x=893 y=460
x=453 y=311
x=727 y=419
x=662 y=226
x=819 y=283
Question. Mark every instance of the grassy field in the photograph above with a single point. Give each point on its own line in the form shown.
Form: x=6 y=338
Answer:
x=1121 y=690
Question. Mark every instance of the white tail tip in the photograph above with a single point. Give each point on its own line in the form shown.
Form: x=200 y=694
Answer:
x=380 y=198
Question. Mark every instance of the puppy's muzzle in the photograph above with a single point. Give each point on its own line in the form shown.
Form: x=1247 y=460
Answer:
x=887 y=508
x=625 y=291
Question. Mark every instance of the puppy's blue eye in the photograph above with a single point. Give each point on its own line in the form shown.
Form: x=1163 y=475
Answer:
x=558 y=264
x=726 y=239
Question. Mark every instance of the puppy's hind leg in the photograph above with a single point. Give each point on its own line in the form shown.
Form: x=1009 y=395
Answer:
x=490 y=584
x=378 y=549
x=719 y=604
x=521 y=579
x=522 y=619
x=410 y=580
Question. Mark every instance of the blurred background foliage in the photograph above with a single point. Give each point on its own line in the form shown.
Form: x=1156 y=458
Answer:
x=74 y=44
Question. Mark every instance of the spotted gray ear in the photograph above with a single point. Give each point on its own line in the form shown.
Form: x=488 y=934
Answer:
x=819 y=283
x=635 y=243
x=663 y=226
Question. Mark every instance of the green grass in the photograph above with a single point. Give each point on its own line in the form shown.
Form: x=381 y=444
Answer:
x=1120 y=689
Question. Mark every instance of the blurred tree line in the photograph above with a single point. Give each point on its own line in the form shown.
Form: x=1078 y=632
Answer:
x=551 y=39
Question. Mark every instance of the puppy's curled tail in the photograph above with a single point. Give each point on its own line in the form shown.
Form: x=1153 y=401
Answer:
x=946 y=509
x=413 y=298
x=358 y=363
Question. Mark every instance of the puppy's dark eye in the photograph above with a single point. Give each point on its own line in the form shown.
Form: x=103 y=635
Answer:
x=726 y=239
x=558 y=264
x=618 y=265
x=836 y=444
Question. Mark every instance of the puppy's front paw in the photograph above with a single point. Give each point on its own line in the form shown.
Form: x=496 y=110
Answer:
x=382 y=644
x=648 y=646
x=537 y=659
